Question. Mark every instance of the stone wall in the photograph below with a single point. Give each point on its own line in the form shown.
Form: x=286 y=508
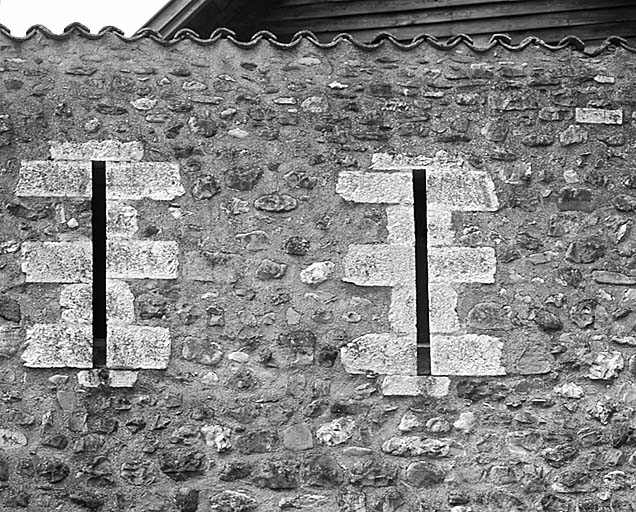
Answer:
x=260 y=265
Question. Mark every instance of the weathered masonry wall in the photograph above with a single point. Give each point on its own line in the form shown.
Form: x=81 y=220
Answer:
x=260 y=265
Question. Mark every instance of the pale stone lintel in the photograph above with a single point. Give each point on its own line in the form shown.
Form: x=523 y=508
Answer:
x=131 y=347
x=441 y=161
x=121 y=220
x=382 y=353
x=363 y=187
x=442 y=309
x=57 y=262
x=407 y=385
x=141 y=259
x=598 y=116
x=402 y=312
x=379 y=265
x=466 y=355
x=461 y=265
x=439 y=225
x=160 y=181
x=471 y=191
x=54 y=179
x=59 y=346
x=98 y=150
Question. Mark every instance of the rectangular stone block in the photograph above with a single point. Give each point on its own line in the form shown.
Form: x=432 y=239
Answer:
x=363 y=187
x=76 y=303
x=442 y=309
x=461 y=265
x=470 y=191
x=160 y=181
x=383 y=353
x=98 y=150
x=402 y=311
x=121 y=220
x=400 y=223
x=406 y=163
x=54 y=179
x=59 y=346
x=379 y=265
x=133 y=347
x=598 y=116
x=439 y=225
x=140 y=259
x=408 y=385
x=57 y=262
x=466 y=355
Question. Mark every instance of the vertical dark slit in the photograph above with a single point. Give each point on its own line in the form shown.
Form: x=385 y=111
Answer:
x=421 y=274
x=98 y=205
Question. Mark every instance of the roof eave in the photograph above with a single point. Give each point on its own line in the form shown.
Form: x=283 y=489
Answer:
x=174 y=15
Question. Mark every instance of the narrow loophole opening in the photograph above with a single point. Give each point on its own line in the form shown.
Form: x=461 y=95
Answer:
x=421 y=274
x=98 y=207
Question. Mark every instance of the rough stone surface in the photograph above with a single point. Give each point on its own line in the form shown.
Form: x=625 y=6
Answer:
x=442 y=314
x=462 y=265
x=127 y=259
x=59 y=346
x=388 y=188
x=378 y=265
x=402 y=385
x=386 y=354
x=99 y=150
x=54 y=179
x=467 y=354
x=154 y=180
x=598 y=116
x=57 y=262
x=131 y=347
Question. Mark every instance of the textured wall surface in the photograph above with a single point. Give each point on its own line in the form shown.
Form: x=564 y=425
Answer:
x=260 y=295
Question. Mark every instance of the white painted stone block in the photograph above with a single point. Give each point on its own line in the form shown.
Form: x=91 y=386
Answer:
x=402 y=311
x=466 y=354
x=384 y=353
x=442 y=306
x=461 y=265
x=400 y=223
x=59 y=346
x=57 y=262
x=121 y=220
x=54 y=179
x=160 y=181
x=131 y=347
x=409 y=385
x=120 y=302
x=363 y=187
x=98 y=150
x=141 y=259
x=379 y=265
x=469 y=191
x=598 y=116
x=76 y=303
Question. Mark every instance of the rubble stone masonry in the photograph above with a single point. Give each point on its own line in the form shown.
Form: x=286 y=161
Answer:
x=261 y=295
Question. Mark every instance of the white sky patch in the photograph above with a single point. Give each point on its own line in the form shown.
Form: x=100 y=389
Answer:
x=128 y=15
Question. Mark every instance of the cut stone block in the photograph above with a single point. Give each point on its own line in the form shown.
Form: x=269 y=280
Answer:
x=131 y=347
x=122 y=378
x=461 y=265
x=400 y=223
x=138 y=180
x=121 y=220
x=76 y=303
x=98 y=150
x=598 y=116
x=120 y=302
x=385 y=354
x=136 y=259
x=441 y=161
x=59 y=346
x=54 y=179
x=364 y=187
x=407 y=385
x=472 y=191
x=402 y=312
x=379 y=265
x=57 y=262
x=442 y=305
x=438 y=223
x=466 y=355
